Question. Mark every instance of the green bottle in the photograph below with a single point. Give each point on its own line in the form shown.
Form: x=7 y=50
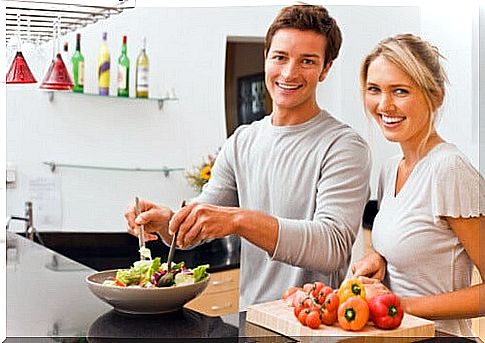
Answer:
x=123 y=71
x=78 y=67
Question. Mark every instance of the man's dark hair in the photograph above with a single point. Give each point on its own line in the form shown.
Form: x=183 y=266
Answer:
x=308 y=18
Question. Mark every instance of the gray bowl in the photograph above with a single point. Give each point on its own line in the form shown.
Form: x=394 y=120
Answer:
x=143 y=300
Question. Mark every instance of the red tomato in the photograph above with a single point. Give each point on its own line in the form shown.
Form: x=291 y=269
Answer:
x=297 y=310
x=332 y=302
x=302 y=316
x=120 y=283
x=313 y=319
x=324 y=292
x=317 y=286
x=308 y=302
x=329 y=317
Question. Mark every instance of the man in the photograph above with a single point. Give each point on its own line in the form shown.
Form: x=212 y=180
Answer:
x=293 y=185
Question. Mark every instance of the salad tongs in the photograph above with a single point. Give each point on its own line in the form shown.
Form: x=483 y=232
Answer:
x=144 y=252
x=168 y=278
x=172 y=246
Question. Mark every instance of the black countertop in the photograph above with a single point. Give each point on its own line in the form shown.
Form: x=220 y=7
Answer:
x=47 y=297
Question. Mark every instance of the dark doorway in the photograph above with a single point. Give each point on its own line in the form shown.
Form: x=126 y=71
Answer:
x=246 y=98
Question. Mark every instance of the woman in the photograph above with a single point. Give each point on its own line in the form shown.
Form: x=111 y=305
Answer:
x=427 y=233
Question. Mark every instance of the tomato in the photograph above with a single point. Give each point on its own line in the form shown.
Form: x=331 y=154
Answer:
x=329 y=317
x=120 y=283
x=332 y=302
x=297 y=310
x=308 y=302
x=323 y=293
x=353 y=314
x=302 y=316
x=317 y=286
x=313 y=319
x=289 y=292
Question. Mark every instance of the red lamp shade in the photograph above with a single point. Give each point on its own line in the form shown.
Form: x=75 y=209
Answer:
x=19 y=71
x=57 y=77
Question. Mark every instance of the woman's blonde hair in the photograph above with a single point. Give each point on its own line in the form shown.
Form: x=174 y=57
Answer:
x=420 y=61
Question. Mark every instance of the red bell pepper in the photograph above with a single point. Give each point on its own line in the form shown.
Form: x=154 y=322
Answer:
x=385 y=311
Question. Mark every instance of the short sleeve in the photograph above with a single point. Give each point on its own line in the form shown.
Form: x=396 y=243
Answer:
x=456 y=189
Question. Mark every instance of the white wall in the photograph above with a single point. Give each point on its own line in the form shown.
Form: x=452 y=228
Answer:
x=186 y=47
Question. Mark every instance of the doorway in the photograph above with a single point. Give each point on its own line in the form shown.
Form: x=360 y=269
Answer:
x=246 y=97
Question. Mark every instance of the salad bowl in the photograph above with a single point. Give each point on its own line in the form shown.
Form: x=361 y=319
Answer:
x=137 y=300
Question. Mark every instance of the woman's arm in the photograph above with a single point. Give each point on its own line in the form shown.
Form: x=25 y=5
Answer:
x=464 y=303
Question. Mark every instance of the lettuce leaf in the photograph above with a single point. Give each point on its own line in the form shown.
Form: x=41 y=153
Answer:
x=200 y=272
x=141 y=272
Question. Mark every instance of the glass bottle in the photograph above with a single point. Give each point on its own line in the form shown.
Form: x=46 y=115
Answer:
x=123 y=71
x=142 y=65
x=77 y=61
x=103 y=67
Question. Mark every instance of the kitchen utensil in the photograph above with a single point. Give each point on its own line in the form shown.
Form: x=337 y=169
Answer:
x=137 y=300
x=172 y=246
x=141 y=237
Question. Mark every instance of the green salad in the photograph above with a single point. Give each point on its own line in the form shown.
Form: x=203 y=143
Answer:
x=152 y=273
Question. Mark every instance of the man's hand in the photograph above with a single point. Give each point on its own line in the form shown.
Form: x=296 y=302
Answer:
x=198 y=222
x=154 y=217
x=371 y=265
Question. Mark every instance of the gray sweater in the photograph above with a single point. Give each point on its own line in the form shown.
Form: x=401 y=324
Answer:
x=314 y=178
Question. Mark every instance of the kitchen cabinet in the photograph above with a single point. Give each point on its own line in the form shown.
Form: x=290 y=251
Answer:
x=221 y=295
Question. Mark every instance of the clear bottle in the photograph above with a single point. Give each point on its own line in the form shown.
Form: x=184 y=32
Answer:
x=142 y=65
x=123 y=71
x=77 y=61
x=103 y=67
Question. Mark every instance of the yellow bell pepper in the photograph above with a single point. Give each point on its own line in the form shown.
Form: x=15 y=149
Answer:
x=351 y=288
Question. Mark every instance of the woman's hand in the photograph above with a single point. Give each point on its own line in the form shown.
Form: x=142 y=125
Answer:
x=373 y=287
x=372 y=265
x=154 y=217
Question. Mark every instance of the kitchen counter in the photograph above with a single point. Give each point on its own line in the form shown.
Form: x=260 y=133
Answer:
x=47 y=297
x=114 y=250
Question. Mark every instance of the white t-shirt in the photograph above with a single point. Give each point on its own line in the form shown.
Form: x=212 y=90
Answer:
x=424 y=256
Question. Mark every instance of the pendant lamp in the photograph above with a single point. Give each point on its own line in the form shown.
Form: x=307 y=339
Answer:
x=57 y=77
x=19 y=71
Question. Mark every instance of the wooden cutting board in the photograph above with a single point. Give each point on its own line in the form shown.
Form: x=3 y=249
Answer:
x=278 y=316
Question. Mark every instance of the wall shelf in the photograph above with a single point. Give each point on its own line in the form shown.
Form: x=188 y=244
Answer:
x=165 y=170
x=160 y=100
